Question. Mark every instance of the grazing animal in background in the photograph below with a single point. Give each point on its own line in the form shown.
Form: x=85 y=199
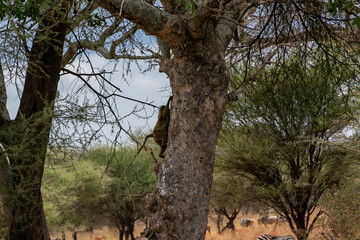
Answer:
x=271 y=237
x=267 y=220
x=246 y=222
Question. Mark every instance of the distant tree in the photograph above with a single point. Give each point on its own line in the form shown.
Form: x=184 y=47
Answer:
x=228 y=195
x=72 y=196
x=285 y=135
x=131 y=179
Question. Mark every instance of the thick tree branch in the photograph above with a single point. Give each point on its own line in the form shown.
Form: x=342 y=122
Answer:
x=169 y=5
x=99 y=46
x=164 y=48
x=149 y=18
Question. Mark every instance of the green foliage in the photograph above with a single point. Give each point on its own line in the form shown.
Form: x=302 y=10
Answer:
x=342 y=206
x=131 y=175
x=89 y=189
x=188 y=4
x=335 y=6
x=228 y=190
x=72 y=194
x=286 y=133
x=131 y=179
x=356 y=22
x=338 y=6
x=94 y=20
x=22 y=8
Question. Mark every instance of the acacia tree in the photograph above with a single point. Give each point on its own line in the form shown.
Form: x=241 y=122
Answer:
x=39 y=38
x=286 y=136
x=130 y=180
x=195 y=36
x=25 y=138
x=228 y=195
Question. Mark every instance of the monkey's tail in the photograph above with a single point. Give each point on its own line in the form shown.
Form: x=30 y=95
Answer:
x=143 y=145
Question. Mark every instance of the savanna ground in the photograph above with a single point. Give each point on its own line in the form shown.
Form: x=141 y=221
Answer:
x=241 y=233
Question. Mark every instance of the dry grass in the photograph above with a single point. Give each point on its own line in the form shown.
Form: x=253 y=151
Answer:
x=241 y=233
x=248 y=233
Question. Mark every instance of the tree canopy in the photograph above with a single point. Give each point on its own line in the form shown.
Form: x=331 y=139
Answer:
x=287 y=135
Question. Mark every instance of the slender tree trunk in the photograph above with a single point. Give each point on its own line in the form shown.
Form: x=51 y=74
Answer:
x=199 y=80
x=26 y=137
x=74 y=235
x=219 y=220
x=121 y=234
x=230 y=224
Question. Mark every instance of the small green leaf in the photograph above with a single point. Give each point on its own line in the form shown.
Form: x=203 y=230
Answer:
x=193 y=9
x=356 y=22
x=331 y=7
x=187 y=5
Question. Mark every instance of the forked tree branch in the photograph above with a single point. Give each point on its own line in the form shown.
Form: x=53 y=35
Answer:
x=151 y=19
x=80 y=76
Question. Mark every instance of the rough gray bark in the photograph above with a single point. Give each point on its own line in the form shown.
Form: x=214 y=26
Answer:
x=186 y=173
x=199 y=80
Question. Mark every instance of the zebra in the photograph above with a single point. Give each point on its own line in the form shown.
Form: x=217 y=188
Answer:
x=246 y=222
x=267 y=220
x=271 y=237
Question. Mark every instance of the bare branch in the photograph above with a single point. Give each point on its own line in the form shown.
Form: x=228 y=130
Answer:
x=125 y=36
x=83 y=14
x=233 y=96
x=80 y=76
x=99 y=46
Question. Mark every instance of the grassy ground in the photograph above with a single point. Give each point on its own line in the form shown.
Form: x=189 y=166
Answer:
x=241 y=233
x=247 y=233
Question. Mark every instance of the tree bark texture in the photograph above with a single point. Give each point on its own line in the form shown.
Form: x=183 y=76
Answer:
x=199 y=86
x=199 y=79
x=25 y=138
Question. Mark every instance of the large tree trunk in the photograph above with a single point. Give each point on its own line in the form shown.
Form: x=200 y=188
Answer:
x=25 y=138
x=199 y=81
